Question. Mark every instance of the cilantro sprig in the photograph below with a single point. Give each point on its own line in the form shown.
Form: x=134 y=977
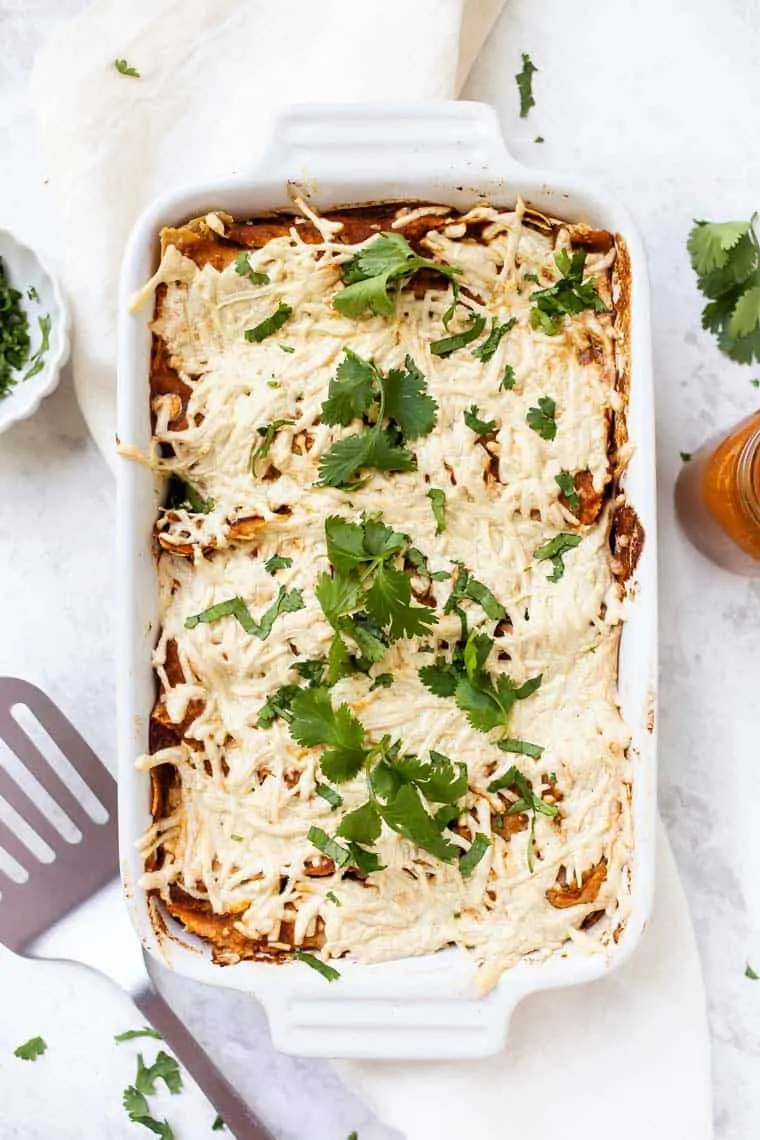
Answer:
x=286 y=602
x=375 y=275
x=726 y=259
x=395 y=409
x=527 y=802
x=542 y=419
x=568 y=297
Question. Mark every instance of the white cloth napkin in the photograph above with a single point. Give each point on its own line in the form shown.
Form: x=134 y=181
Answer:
x=628 y=1055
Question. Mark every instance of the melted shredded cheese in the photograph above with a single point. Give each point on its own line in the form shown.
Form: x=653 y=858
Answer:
x=238 y=836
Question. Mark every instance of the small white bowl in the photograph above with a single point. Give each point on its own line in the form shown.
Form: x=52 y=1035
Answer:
x=25 y=271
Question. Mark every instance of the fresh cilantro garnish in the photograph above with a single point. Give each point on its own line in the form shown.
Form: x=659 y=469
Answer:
x=270 y=324
x=539 y=139
x=315 y=721
x=182 y=495
x=386 y=261
x=553 y=549
x=328 y=972
x=236 y=838
x=37 y=362
x=367 y=597
x=755 y=382
x=218 y=1125
x=277 y=562
x=333 y=798
x=138 y=1111
x=396 y=409
x=287 y=348
x=438 y=503
x=32 y=293
x=524 y=80
x=243 y=269
x=531 y=277
x=487 y=349
x=507 y=382
x=566 y=484
x=467 y=587
x=131 y=1034
x=312 y=669
x=685 y=456
x=277 y=705
x=164 y=1068
x=14 y=334
x=750 y=973
x=381 y=681
x=333 y=898
x=521 y=747
x=568 y=297
x=477 y=849
x=726 y=258
x=448 y=344
x=541 y=419
x=286 y=602
x=124 y=68
x=267 y=432
x=474 y=423
x=31 y=1049
x=527 y=802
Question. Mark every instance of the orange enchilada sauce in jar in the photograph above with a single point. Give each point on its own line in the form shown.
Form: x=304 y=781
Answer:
x=718 y=498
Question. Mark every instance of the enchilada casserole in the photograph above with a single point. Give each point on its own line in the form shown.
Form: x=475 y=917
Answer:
x=391 y=563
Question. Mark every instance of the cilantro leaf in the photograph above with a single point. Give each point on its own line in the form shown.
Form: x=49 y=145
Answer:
x=124 y=68
x=710 y=243
x=524 y=80
x=441 y=678
x=477 y=849
x=406 y=815
x=448 y=344
x=333 y=798
x=474 y=423
x=31 y=1049
x=286 y=602
x=507 y=382
x=489 y=346
x=568 y=297
x=750 y=973
x=270 y=324
x=131 y=1034
x=345 y=543
x=267 y=433
x=388 y=602
x=277 y=705
x=218 y=1125
x=138 y=1111
x=351 y=390
x=315 y=721
x=164 y=1068
x=277 y=562
x=328 y=972
x=329 y=846
x=406 y=401
x=467 y=587
x=181 y=494
x=333 y=898
x=521 y=747
x=439 y=779
x=312 y=669
x=243 y=269
x=362 y=825
x=367 y=277
x=438 y=503
x=373 y=448
x=541 y=419
x=566 y=484
x=553 y=550
x=381 y=681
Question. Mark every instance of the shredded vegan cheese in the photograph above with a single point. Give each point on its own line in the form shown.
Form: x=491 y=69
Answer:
x=235 y=837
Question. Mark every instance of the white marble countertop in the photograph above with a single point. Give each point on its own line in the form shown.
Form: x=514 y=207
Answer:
x=667 y=119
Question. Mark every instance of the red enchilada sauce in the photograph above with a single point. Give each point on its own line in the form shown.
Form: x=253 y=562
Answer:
x=718 y=498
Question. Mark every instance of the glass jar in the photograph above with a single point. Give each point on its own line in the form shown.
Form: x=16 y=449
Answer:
x=718 y=498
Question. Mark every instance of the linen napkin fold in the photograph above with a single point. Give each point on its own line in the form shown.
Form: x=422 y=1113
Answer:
x=211 y=74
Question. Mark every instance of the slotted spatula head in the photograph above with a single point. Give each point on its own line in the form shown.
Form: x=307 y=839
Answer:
x=78 y=868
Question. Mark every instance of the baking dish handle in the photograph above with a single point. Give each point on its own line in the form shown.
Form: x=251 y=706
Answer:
x=352 y=141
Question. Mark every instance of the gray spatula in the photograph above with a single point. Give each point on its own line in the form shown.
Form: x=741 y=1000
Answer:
x=79 y=869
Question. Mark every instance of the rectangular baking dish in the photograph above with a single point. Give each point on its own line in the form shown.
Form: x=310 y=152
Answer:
x=427 y=1007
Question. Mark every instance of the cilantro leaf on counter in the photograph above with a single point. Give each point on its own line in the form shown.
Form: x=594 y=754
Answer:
x=568 y=297
x=387 y=261
x=328 y=972
x=489 y=346
x=566 y=484
x=31 y=1049
x=685 y=456
x=750 y=973
x=474 y=423
x=138 y=1111
x=541 y=419
x=524 y=80
x=448 y=344
x=438 y=503
x=470 y=859
x=270 y=324
x=396 y=409
x=243 y=269
x=286 y=602
x=164 y=1068
x=507 y=382
x=124 y=68
x=277 y=562
x=726 y=258
x=131 y=1034
x=553 y=549
x=218 y=1125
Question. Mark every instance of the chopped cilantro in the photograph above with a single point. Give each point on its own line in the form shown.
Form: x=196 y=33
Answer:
x=327 y=972
x=267 y=432
x=568 y=297
x=131 y=1034
x=270 y=324
x=524 y=80
x=286 y=602
x=553 y=550
x=381 y=681
x=750 y=973
x=124 y=68
x=243 y=269
x=31 y=1049
x=477 y=849
x=14 y=334
x=333 y=798
x=277 y=562
x=474 y=423
x=566 y=484
x=685 y=456
x=438 y=503
x=138 y=1111
x=541 y=419
x=489 y=346
x=507 y=382
x=387 y=261
x=449 y=344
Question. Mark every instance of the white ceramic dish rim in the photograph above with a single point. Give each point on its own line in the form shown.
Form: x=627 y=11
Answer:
x=26 y=397
x=420 y=1008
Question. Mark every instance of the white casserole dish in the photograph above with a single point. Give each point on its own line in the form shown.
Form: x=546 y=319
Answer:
x=420 y=1008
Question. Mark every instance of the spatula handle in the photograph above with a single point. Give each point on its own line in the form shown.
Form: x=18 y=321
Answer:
x=236 y=1114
